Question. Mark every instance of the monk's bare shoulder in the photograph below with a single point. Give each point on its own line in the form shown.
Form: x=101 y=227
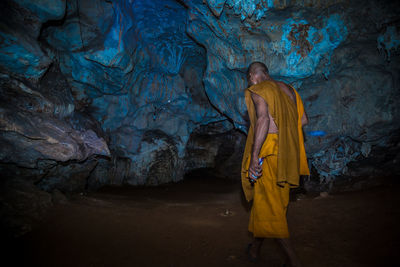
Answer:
x=283 y=85
x=287 y=90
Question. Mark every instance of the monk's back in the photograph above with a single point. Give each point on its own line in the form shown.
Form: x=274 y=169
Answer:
x=290 y=93
x=287 y=90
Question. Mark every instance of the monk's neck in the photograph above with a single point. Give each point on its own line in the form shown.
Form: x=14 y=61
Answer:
x=268 y=79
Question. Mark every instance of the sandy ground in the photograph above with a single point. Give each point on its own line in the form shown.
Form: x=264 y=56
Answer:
x=203 y=222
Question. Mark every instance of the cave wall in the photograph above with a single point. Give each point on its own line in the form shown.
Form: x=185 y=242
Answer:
x=97 y=92
x=133 y=69
x=341 y=55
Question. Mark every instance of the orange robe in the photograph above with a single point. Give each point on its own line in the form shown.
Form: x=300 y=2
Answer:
x=284 y=161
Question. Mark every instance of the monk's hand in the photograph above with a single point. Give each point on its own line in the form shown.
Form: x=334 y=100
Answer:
x=255 y=169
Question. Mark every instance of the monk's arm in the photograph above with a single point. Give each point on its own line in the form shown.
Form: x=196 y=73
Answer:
x=260 y=132
x=304 y=119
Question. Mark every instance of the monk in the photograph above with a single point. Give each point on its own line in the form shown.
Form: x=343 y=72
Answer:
x=275 y=137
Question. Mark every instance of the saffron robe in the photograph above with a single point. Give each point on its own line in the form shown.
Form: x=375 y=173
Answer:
x=284 y=160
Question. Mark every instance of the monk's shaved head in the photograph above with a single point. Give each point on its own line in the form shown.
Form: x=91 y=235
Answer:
x=256 y=68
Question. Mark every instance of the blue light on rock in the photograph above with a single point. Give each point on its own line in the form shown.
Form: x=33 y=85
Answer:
x=21 y=55
x=304 y=45
x=389 y=41
x=44 y=9
x=146 y=74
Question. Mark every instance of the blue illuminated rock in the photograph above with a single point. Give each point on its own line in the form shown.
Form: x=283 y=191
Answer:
x=146 y=74
x=292 y=47
x=44 y=10
x=389 y=41
x=257 y=9
x=325 y=53
x=142 y=77
x=21 y=55
x=20 y=52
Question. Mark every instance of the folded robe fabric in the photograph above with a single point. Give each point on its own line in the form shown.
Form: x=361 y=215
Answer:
x=292 y=160
x=270 y=202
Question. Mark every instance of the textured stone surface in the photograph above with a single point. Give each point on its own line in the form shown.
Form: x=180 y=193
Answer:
x=21 y=22
x=330 y=54
x=133 y=66
x=68 y=178
x=33 y=128
x=217 y=148
x=293 y=47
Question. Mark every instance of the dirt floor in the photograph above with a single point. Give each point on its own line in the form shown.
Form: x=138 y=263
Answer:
x=203 y=222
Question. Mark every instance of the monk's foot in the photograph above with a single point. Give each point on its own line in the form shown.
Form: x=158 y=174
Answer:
x=295 y=264
x=292 y=263
x=252 y=253
x=293 y=260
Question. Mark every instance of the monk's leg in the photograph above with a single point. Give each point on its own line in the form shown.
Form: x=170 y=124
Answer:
x=255 y=247
x=289 y=251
